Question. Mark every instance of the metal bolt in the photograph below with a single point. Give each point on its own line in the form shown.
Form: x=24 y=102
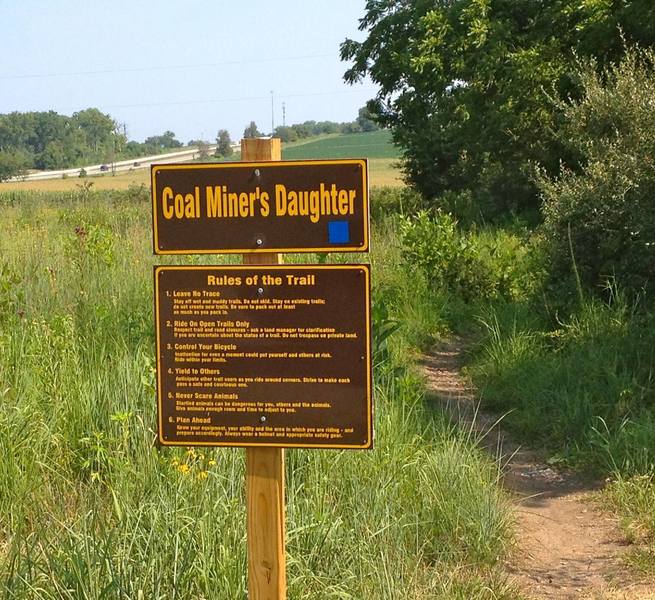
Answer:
x=262 y=419
x=257 y=174
x=259 y=241
x=260 y=291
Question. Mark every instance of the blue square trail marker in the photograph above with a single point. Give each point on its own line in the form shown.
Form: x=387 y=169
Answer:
x=338 y=232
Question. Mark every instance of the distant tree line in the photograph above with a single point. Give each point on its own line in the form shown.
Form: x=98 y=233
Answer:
x=292 y=133
x=48 y=140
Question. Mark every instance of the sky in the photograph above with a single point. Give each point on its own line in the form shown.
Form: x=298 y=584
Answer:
x=188 y=66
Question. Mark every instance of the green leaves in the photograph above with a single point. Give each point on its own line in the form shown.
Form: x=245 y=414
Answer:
x=467 y=87
x=607 y=204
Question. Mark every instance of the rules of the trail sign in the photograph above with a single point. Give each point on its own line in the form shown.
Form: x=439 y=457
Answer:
x=264 y=356
x=288 y=206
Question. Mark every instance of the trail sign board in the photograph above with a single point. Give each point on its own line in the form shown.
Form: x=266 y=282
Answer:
x=287 y=206
x=264 y=356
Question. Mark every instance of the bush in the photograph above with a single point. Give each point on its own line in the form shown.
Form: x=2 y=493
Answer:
x=388 y=200
x=603 y=217
x=471 y=265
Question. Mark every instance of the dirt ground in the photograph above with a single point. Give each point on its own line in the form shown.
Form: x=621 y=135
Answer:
x=566 y=547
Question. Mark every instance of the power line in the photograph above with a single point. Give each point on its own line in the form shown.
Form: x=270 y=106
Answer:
x=221 y=100
x=164 y=67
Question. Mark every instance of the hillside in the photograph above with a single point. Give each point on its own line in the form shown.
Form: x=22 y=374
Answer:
x=374 y=144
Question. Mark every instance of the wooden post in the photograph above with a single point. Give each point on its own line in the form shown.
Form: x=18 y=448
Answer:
x=267 y=578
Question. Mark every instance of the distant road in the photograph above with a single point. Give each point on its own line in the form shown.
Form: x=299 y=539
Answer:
x=143 y=162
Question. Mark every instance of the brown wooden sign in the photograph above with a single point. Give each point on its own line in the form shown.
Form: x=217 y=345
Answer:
x=264 y=356
x=288 y=206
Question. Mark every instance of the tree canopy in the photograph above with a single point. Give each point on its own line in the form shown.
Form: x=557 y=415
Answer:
x=467 y=86
x=223 y=143
x=48 y=140
x=251 y=131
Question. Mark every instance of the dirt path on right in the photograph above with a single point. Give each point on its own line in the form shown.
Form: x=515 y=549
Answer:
x=566 y=548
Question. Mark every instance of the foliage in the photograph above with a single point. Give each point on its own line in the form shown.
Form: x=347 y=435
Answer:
x=91 y=508
x=632 y=499
x=299 y=131
x=465 y=86
x=251 y=131
x=470 y=265
x=366 y=120
x=602 y=218
x=389 y=201
x=583 y=389
x=12 y=163
x=47 y=140
x=163 y=142
x=223 y=143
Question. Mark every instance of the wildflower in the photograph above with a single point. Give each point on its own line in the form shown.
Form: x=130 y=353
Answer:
x=183 y=468
x=203 y=475
x=211 y=462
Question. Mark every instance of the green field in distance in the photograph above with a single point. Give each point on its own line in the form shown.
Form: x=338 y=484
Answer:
x=374 y=144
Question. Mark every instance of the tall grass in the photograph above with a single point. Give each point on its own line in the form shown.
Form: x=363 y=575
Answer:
x=584 y=389
x=570 y=371
x=90 y=507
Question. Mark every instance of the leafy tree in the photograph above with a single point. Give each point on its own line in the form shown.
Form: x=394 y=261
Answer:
x=466 y=87
x=165 y=141
x=203 y=150
x=224 y=143
x=365 y=119
x=97 y=127
x=251 y=131
x=12 y=164
x=286 y=133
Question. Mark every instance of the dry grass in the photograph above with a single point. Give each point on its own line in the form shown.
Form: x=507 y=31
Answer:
x=383 y=171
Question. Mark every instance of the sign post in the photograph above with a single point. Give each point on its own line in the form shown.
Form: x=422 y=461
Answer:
x=263 y=355
x=265 y=507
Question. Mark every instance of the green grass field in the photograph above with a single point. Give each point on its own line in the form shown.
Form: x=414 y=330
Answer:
x=376 y=144
x=91 y=508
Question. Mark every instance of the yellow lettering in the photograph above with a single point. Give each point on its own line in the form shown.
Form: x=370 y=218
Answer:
x=189 y=206
x=244 y=202
x=213 y=201
x=166 y=196
x=264 y=208
x=280 y=200
x=179 y=206
x=314 y=206
x=343 y=202
x=292 y=208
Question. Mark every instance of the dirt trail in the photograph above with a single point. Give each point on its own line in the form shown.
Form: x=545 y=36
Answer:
x=566 y=548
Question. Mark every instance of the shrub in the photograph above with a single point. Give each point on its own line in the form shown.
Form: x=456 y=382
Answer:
x=472 y=265
x=603 y=217
x=387 y=201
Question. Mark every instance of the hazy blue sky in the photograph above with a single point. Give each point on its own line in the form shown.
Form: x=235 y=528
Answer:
x=191 y=66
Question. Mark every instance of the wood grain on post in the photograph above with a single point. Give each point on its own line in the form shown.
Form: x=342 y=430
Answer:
x=267 y=578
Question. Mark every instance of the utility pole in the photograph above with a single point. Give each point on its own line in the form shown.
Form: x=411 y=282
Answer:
x=272 y=115
x=284 y=114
